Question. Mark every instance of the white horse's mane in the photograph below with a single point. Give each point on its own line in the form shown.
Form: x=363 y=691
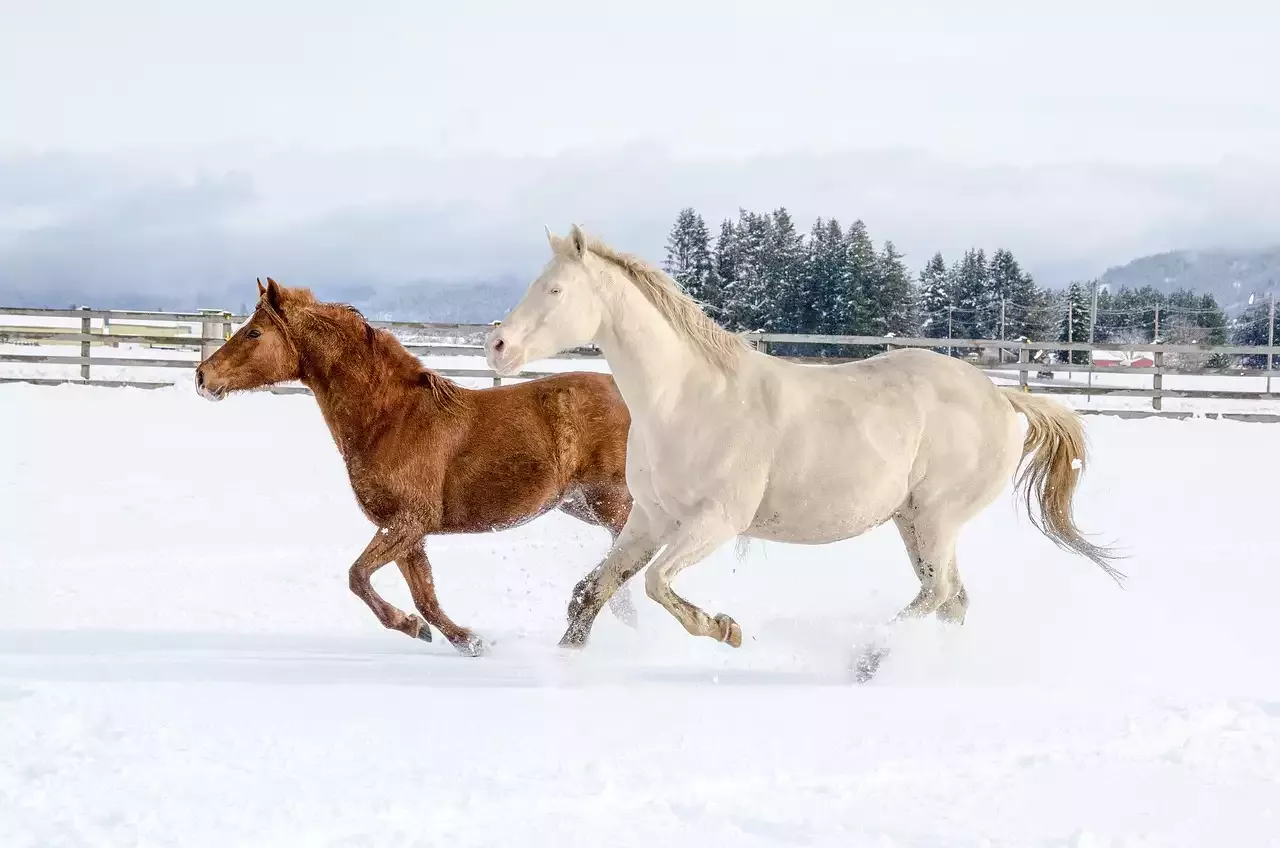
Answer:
x=680 y=310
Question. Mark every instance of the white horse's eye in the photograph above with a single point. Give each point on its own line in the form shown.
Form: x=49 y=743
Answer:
x=555 y=291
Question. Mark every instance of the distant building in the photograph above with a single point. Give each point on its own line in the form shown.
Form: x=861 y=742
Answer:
x=1132 y=359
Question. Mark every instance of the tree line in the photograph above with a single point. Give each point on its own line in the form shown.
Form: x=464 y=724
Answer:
x=760 y=273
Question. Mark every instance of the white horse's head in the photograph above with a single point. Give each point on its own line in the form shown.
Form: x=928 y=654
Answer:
x=563 y=308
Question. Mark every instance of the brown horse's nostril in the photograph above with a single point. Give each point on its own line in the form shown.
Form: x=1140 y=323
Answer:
x=199 y=378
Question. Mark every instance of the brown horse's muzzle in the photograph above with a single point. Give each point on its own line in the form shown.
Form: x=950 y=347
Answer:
x=205 y=390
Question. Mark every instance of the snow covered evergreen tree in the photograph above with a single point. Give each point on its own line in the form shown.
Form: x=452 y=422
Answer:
x=825 y=272
x=971 y=318
x=724 y=270
x=935 y=298
x=1006 y=286
x=850 y=305
x=890 y=298
x=786 y=309
x=1075 y=320
x=689 y=260
x=1252 y=327
x=746 y=298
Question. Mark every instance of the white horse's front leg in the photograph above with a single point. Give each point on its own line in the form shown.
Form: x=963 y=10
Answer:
x=633 y=548
x=695 y=539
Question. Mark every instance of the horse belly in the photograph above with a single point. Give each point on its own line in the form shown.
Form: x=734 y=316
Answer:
x=824 y=490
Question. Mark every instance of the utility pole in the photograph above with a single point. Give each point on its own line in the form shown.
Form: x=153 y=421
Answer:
x=1071 y=354
x=950 y=350
x=1093 y=318
x=1093 y=324
x=1271 y=334
x=1156 y=338
x=1002 y=329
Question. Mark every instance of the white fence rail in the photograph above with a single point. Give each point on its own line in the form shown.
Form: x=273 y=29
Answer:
x=187 y=338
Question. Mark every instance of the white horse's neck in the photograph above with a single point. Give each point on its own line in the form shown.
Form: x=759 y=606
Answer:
x=651 y=362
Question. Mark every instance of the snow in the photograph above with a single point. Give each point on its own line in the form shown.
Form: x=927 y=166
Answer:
x=181 y=662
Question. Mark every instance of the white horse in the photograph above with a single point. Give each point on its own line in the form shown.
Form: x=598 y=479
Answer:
x=726 y=441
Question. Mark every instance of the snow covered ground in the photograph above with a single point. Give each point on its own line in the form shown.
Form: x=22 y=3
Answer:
x=181 y=662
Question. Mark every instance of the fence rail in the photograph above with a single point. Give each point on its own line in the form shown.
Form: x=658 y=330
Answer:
x=215 y=326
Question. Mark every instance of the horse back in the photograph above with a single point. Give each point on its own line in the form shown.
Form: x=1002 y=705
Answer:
x=582 y=420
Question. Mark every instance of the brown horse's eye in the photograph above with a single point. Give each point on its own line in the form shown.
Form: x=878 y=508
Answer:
x=253 y=334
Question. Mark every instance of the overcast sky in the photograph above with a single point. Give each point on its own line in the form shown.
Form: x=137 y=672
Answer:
x=161 y=141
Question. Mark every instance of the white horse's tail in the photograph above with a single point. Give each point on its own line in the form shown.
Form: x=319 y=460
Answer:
x=1055 y=444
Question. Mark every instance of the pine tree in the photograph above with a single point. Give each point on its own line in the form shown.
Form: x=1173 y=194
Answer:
x=1010 y=294
x=971 y=317
x=746 y=298
x=689 y=260
x=1041 y=320
x=786 y=308
x=1253 y=327
x=935 y=298
x=851 y=307
x=891 y=299
x=1212 y=322
x=724 y=270
x=1075 y=321
x=826 y=273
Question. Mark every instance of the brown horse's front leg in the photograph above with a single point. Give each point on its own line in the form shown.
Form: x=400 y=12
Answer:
x=416 y=569
x=385 y=546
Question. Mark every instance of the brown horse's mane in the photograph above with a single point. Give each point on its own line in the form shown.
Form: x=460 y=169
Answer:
x=447 y=394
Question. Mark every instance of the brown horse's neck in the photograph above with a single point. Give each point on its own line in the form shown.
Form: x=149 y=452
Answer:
x=359 y=376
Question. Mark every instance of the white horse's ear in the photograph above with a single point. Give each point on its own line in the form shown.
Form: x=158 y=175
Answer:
x=577 y=242
x=552 y=239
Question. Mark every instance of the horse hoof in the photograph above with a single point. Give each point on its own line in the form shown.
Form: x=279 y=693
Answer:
x=867 y=665
x=471 y=646
x=572 y=643
x=425 y=633
x=730 y=632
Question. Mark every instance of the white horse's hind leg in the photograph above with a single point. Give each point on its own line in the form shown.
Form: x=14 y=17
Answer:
x=695 y=539
x=931 y=544
x=955 y=609
x=930 y=540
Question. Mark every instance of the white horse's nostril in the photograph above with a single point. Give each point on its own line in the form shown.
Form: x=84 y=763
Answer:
x=498 y=345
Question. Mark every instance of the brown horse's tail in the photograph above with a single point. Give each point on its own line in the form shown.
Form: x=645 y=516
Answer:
x=1055 y=446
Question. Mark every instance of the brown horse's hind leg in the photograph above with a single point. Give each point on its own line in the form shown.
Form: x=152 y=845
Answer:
x=607 y=506
x=385 y=546
x=416 y=569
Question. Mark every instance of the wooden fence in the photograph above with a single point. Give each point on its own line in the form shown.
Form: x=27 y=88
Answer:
x=165 y=330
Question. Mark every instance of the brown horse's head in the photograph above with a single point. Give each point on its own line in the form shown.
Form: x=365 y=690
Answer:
x=262 y=352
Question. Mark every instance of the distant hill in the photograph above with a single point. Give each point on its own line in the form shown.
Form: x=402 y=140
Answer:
x=458 y=303
x=1231 y=276
x=446 y=303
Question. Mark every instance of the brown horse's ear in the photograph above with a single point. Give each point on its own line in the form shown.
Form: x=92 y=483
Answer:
x=261 y=288
x=274 y=295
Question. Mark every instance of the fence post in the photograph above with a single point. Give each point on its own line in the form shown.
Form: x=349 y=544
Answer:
x=86 y=327
x=211 y=335
x=1024 y=360
x=1157 y=382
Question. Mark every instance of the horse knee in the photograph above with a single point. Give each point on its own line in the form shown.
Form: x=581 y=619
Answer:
x=357 y=580
x=654 y=585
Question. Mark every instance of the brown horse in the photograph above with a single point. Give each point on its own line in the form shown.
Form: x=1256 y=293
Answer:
x=425 y=455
